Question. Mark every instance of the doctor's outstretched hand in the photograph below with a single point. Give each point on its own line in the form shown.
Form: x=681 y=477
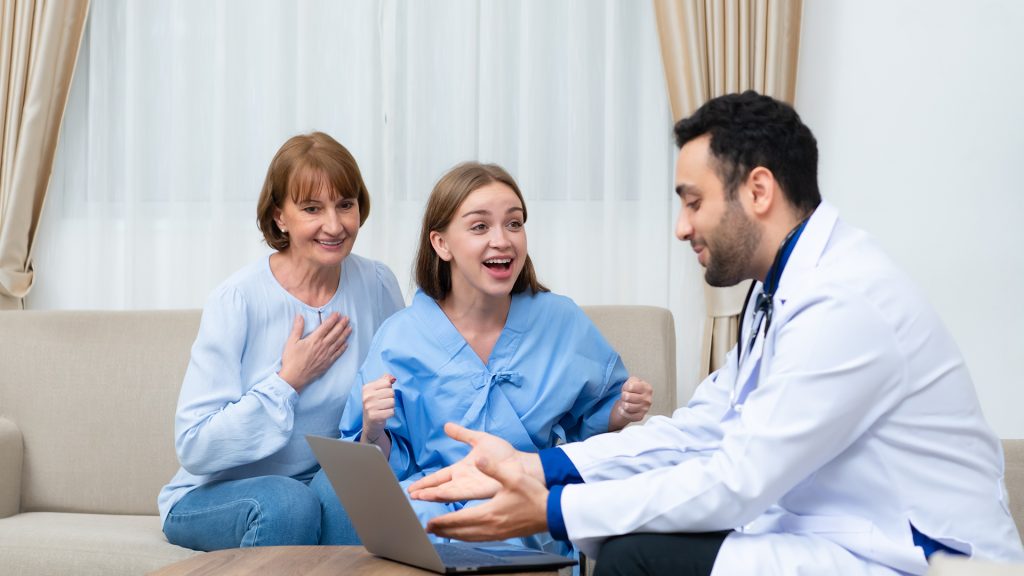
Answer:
x=464 y=480
x=518 y=506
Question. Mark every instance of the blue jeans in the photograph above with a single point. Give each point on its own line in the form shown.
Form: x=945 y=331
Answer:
x=335 y=526
x=260 y=511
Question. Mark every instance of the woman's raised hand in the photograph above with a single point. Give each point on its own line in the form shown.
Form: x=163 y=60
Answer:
x=633 y=404
x=378 y=406
x=306 y=359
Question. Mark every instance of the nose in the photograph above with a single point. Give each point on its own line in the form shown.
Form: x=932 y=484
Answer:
x=499 y=238
x=684 y=231
x=332 y=222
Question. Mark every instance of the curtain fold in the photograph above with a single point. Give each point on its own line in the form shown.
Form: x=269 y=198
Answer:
x=39 y=41
x=715 y=47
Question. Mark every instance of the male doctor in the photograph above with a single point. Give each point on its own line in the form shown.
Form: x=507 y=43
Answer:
x=842 y=435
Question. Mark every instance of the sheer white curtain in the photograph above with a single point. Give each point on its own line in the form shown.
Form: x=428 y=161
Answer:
x=178 y=106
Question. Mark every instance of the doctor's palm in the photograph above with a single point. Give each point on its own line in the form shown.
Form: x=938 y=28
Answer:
x=463 y=480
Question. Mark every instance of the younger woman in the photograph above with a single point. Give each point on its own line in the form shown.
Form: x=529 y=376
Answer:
x=484 y=344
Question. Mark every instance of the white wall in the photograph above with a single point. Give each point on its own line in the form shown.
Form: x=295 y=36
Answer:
x=918 y=107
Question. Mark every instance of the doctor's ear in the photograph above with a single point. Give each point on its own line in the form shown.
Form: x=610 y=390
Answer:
x=440 y=246
x=763 y=189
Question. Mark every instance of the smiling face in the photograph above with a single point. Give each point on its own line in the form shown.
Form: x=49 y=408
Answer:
x=321 y=229
x=715 y=223
x=485 y=243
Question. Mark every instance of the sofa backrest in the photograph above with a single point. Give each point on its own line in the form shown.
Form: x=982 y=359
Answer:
x=1013 y=452
x=645 y=338
x=94 y=395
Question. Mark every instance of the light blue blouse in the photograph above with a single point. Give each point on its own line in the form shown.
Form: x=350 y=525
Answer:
x=236 y=418
x=550 y=376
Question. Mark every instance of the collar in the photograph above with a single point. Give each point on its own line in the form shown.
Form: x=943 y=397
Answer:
x=779 y=266
x=807 y=253
x=430 y=314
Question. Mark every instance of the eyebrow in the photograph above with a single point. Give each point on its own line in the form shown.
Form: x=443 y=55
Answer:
x=484 y=212
x=684 y=189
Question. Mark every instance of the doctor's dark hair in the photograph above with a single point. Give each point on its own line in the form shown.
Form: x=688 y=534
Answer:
x=750 y=130
x=302 y=166
x=434 y=275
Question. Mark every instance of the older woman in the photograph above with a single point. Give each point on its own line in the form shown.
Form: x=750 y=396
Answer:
x=278 y=349
x=484 y=344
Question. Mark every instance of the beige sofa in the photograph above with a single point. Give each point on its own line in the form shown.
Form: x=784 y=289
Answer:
x=86 y=415
x=87 y=405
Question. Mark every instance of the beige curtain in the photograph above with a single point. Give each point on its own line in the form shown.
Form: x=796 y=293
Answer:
x=715 y=47
x=39 y=42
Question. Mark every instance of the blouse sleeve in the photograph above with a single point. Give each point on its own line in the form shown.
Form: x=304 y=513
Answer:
x=219 y=423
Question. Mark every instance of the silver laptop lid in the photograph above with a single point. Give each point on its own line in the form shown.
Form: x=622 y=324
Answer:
x=375 y=501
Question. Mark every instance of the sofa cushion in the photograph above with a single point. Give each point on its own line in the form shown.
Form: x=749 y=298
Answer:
x=85 y=544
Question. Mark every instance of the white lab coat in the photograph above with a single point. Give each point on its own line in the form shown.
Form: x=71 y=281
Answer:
x=852 y=418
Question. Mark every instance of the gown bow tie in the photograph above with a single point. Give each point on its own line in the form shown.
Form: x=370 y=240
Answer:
x=485 y=385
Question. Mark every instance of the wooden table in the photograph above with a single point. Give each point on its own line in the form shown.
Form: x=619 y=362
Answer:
x=306 y=560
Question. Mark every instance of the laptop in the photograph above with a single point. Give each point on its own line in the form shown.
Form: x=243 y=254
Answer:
x=386 y=523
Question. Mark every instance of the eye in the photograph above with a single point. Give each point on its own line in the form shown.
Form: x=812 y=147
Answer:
x=311 y=209
x=514 y=225
x=693 y=206
x=347 y=204
x=478 y=227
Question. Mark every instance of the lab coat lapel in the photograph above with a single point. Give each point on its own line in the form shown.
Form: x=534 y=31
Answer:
x=806 y=253
x=749 y=370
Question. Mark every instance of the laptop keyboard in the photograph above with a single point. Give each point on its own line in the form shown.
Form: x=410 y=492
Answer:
x=465 y=556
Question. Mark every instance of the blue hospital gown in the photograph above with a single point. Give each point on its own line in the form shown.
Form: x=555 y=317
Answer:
x=551 y=376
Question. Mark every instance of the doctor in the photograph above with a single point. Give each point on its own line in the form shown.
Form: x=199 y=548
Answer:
x=842 y=436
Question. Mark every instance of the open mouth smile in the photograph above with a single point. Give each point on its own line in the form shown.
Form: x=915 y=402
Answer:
x=498 y=263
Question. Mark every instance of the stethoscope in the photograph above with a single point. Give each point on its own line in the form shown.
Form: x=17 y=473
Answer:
x=763 y=307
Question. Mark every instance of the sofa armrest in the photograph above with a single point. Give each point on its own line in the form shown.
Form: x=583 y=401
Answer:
x=942 y=565
x=11 y=452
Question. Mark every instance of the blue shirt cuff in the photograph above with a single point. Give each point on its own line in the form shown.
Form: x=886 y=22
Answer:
x=556 y=523
x=558 y=469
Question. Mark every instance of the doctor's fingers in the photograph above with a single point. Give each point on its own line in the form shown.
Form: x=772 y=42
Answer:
x=472 y=524
x=462 y=434
x=426 y=488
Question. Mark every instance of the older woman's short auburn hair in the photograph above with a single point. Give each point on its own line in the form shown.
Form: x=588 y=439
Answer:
x=434 y=275
x=302 y=166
